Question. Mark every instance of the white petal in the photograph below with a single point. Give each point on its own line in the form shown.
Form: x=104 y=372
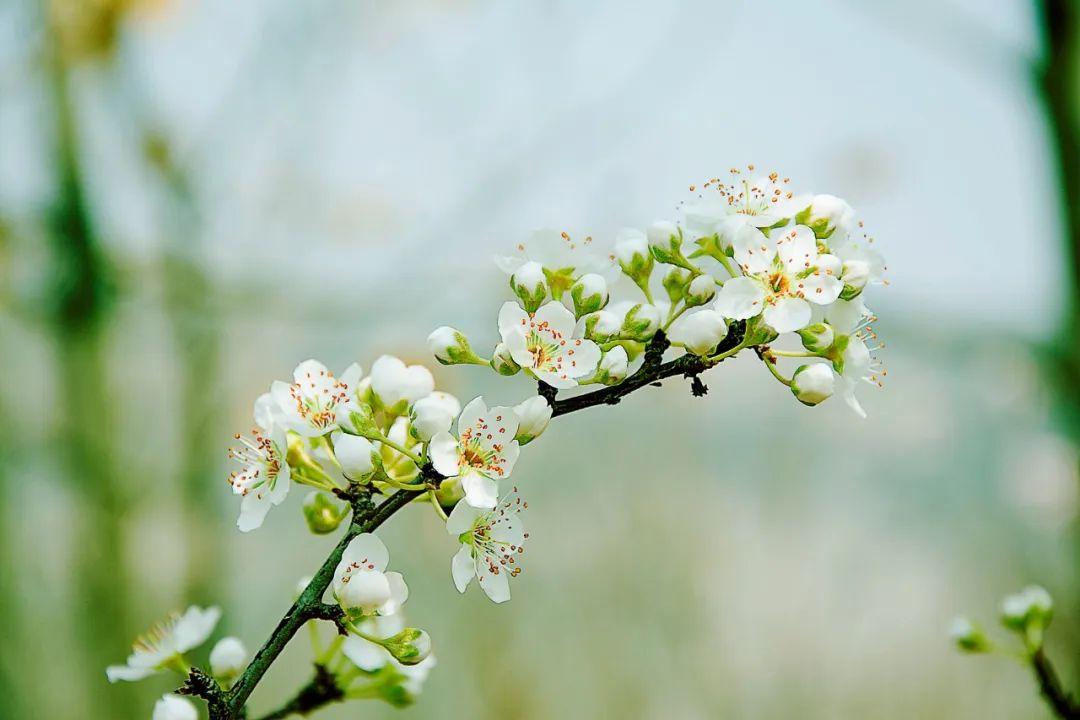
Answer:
x=740 y=298
x=471 y=414
x=267 y=412
x=367 y=550
x=399 y=593
x=788 y=314
x=558 y=318
x=585 y=358
x=517 y=345
x=510 y=530
x=312 y=368
x=253 y=509
x=125 y=672
x=365 y=654
x=512 y=316
x=443 y=450
x=796 y=248
x=462 y=567
x=194 y=627
x=510 y=457
x=495 y=586
x=555 y=380
x=820 y=288
x=461 y=518
x=753 y=251
x=480 y=491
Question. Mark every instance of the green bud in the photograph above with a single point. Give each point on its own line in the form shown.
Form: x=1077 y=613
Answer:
x=590 y=294
x=602 y=326
x=641 y=322
x=1029 y=610
x=322 y=514
x=850 y=292
x=968 y=636
x=665 y=244
x=409 y=647
x=362 y=420
x=758 y=332
x=817 y=338
x=451 y=347
x=502 y=362
x=635 y=259
x=528 y=283
x=701 y=290
x=675 y=282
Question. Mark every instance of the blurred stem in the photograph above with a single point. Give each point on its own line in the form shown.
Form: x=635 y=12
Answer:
x=82 y=291
x=1057 y=78
x=1052 y=691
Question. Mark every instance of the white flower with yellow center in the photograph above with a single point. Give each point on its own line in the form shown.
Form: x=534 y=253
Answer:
x=264 y=479
x=361 y=584
x=483 y=452
x=165 y=643
x=490 y=541
x=544 y=343
x=312 y=402
x=723 y=208
x=784 y=274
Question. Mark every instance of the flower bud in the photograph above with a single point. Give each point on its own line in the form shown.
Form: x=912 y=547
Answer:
x=228 y=659
x=1031 y=606
x=409 y=647
x=817 y=338
x=675 y=282
x=396 y=384
x=602 y=326
x=366 y=591
x=613 y=366
x=699 y=332
x=590 y=293
x=632 y=252
x=701 y=290
x=826 y=214
x=665 y=243
x=502 y=362
x=451 y=347
x=174 y=707
x=854 y=274
x=968 y=636
x=641 y=322
x=813 y=384
x=528 y=284
x=356 y=455
x=533 y=416
x=322 y=514
x=432 y=415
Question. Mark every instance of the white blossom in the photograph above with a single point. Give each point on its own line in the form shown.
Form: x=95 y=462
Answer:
x=313 y=402
x=166 y=642
x=451 y=347
x=483 y=453
x=783 y=276
x=859 y=363
x=174 y=707
x=723 y=208
x=557 y=250
x=614 y=366
x=490 y=540
x=361 y=583
x=264 y=478
x=545 y=344
x=828 y=215
x=354 y=453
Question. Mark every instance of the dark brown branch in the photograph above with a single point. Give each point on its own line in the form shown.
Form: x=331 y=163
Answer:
x=367 y=517
x=1056 y=696
x=321 y=690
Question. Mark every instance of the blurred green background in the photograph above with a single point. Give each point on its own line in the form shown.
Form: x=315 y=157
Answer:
x=197 y=194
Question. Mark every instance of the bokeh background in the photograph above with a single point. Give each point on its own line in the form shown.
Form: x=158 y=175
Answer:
x=197 y=194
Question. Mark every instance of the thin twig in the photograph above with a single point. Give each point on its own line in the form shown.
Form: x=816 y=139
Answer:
x=1057 y=697
x=367 y=517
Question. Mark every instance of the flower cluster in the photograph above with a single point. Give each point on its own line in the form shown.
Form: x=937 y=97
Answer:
x=749 y=264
